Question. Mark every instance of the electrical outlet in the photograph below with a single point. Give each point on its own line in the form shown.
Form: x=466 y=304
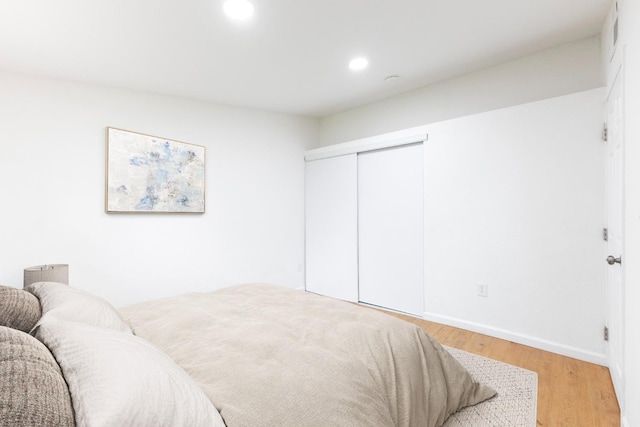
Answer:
x=483 y=290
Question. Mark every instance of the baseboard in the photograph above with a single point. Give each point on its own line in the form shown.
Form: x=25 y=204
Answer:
x=531 y=341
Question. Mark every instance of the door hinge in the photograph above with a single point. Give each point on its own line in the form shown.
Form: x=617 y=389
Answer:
x=606 y=333
x=605 y=132
x=605 y=234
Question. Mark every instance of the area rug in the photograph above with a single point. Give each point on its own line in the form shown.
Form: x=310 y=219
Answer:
x=516 y=403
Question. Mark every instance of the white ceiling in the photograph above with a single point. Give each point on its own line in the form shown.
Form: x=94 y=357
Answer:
x=292 y=57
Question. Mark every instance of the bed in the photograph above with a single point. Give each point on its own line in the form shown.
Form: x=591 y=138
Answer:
x=243 y=356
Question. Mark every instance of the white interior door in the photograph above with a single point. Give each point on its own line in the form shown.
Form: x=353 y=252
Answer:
x=331 y=229
x=615 y=285
x=391 y=228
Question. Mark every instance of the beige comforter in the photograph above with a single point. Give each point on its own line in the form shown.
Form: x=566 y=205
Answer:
x=271 y=356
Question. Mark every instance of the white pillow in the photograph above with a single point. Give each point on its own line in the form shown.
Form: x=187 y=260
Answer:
x=65 y=303
x=118 y=379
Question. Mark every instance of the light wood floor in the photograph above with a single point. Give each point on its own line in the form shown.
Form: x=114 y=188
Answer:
x=570 y=392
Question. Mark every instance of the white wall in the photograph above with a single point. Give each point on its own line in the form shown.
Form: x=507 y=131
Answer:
x=515 y=199
x=52 y=171
x=560 y=71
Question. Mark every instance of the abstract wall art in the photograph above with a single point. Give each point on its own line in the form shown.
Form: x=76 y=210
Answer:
x=150 y=174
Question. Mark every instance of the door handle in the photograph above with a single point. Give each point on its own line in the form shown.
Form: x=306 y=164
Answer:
x=612 y=260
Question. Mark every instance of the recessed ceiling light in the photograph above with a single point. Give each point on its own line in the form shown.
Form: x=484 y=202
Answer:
x=239 y=10
x=358 y=64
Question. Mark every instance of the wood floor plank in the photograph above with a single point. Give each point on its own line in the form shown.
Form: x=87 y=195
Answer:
x=570 y=392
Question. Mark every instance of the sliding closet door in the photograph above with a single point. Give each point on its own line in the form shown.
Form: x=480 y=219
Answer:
x=391 y=224
x=331 y=211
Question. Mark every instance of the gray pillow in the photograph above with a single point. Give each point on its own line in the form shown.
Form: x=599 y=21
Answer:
x=18 y=308
x=32 y=389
